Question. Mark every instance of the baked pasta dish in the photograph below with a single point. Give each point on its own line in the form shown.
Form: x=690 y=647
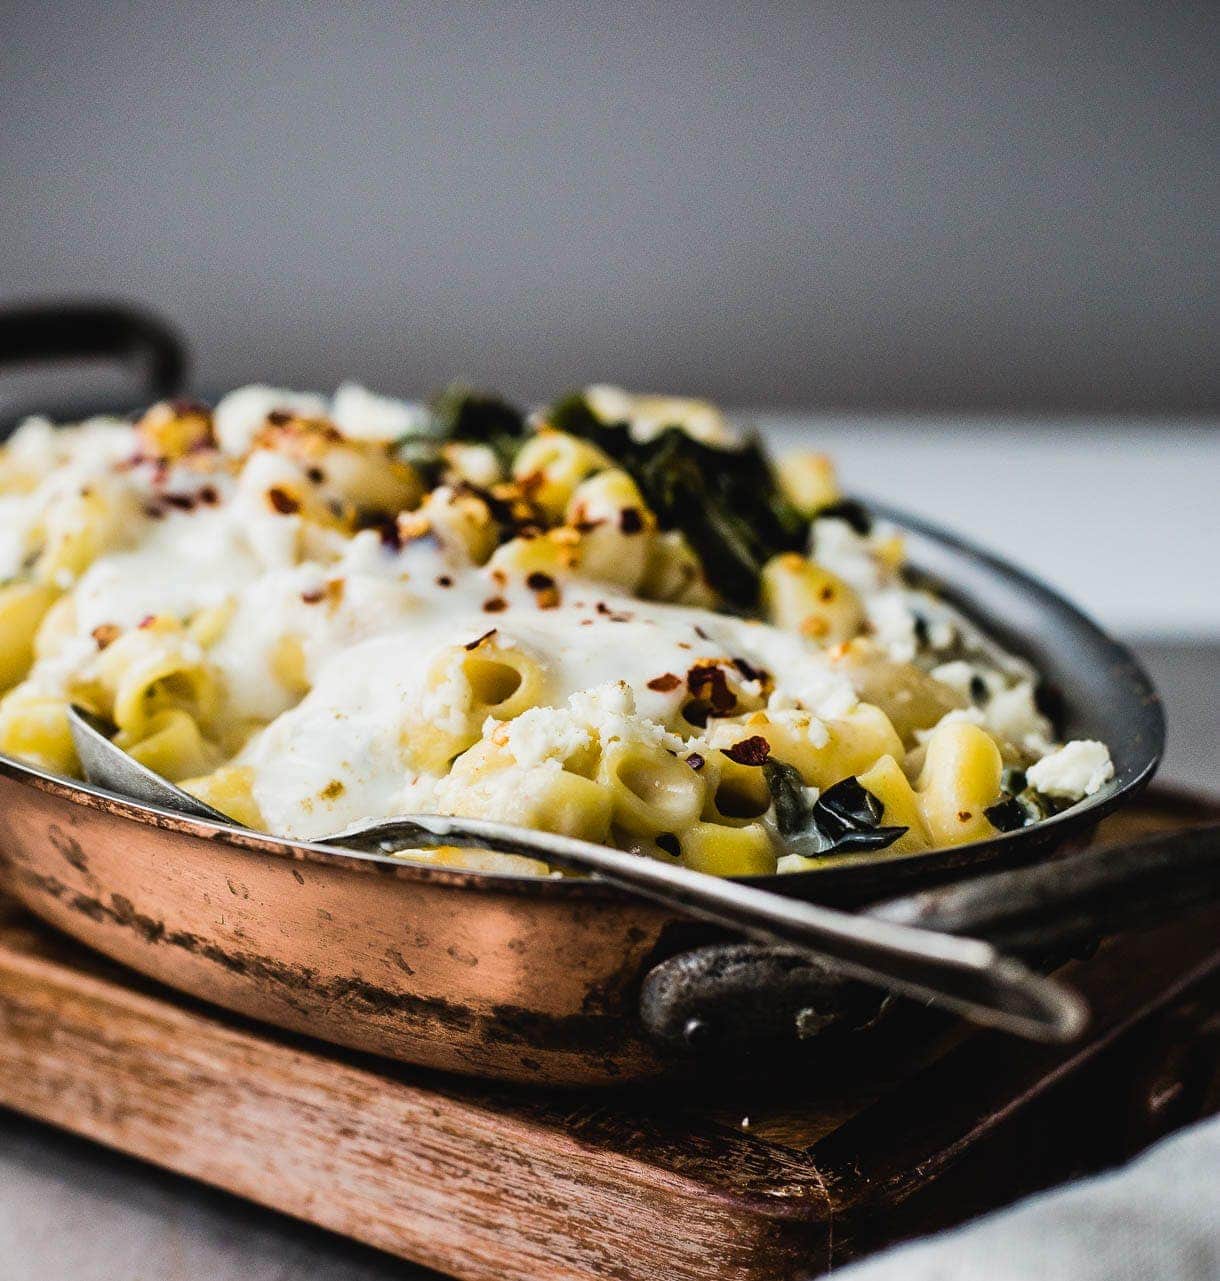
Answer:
x=613 y=618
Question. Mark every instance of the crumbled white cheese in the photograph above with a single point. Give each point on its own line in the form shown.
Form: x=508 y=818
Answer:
x=836 y=546
x=1077 y=769
x=813 y=687
x=542 y=733
x=239 y=415
x=363 y=415
x=958 y=675
x=942 y=632
x=444 y=698
x=1012 y=714
x=648 y=416
x=609 y=711
x=271 y=535
x=32 y=445
x=893 y=623
x=798 y=721
x=476 y=464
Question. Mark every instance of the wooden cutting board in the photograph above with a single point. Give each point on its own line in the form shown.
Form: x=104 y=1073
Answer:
x=778 y=1173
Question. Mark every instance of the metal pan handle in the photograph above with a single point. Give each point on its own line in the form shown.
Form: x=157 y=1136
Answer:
x=739 y=994
x=65 y=332
x=1068 y=901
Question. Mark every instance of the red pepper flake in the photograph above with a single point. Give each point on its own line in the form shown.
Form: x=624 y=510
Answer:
x=630 y=521
x=708 y=683
x=390 y=534
x=663 y=684
x=474 y=644
x=315 y=474
x=750 y=751
x=105 y=634
x=546 y=593
x=964 y=816
x=209 y=495
x=695 y=761
x=183 y=502
x=444 y=580
x=283 y=501
x=495 y=605
x=314 y=595
x=279 y=418
x=606 y=612
x=148 y=620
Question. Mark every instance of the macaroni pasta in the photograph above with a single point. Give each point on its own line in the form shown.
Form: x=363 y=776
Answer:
x=614 y=620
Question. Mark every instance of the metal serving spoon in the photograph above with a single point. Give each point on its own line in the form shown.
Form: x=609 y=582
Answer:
x=961 y=974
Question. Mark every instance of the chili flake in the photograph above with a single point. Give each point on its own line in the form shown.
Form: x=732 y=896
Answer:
x=283 y=501
x=750 y=751
x=663 y=684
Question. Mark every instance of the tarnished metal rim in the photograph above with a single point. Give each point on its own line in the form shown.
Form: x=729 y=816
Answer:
x=1125 y=676
x=74 y=792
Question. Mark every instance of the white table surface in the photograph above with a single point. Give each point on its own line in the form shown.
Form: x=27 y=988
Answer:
x=1121 y=516
x=1124 y=521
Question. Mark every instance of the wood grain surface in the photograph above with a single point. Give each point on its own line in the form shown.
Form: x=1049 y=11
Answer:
x=771 y=1173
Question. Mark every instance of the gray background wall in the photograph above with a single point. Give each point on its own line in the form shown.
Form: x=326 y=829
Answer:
x=1005 y=206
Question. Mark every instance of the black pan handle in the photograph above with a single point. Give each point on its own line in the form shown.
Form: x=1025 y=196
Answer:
x=734 y=997
x=55 y=332
x=737 y=996
x=1069 y=901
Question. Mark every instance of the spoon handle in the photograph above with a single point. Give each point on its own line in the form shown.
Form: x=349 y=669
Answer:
x=965 y=975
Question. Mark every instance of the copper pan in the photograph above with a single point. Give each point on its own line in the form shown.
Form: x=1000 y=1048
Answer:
x=563 y=981
x=522 y=978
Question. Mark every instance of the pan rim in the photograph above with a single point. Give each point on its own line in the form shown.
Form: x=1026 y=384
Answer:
x=1137 y=687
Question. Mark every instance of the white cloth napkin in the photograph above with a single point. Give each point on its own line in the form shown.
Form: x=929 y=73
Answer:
x=1156 y=1219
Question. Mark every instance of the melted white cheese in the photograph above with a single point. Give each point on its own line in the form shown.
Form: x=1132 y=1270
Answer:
x=598 y=653
x=372 y=623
